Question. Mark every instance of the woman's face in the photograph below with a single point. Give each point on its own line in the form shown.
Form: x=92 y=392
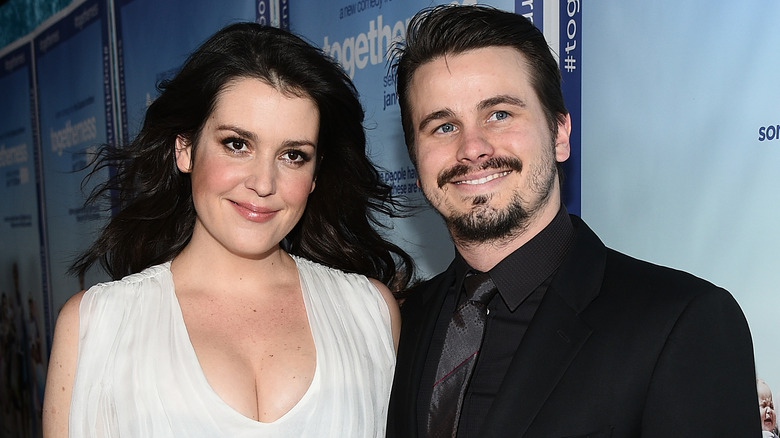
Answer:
x=254 y=168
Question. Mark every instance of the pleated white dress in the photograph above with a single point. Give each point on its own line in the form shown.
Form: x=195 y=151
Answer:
x=137 y=373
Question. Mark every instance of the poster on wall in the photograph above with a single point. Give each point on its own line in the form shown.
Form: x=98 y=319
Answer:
x=75 y=107
x=359 y=34
x=681 y=147
x=171 y=30
x=23 y=346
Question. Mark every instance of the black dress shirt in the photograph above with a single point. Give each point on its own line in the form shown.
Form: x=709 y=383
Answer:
x=522 y=279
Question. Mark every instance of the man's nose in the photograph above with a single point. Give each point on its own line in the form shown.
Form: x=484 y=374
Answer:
x=474 y=146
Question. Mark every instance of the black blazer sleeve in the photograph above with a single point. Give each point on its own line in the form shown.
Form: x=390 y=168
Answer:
x=704 y=381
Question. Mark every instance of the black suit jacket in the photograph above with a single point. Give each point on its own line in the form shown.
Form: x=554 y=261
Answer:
x=618 y=348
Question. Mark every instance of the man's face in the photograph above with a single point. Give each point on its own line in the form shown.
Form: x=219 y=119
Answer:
x=485 y=154
x=766 y=407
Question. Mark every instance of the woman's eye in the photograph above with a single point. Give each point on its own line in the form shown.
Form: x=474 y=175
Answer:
x=296 y=156
x=235 y=144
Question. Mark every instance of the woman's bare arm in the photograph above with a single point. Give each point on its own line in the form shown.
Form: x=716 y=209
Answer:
x=392 y=305
x=62 y=369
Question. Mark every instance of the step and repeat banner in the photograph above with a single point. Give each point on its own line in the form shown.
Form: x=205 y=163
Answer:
x=23 y=346
x=675 y=144
x=74 y=86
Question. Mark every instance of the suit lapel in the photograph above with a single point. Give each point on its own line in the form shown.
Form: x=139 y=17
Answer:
x=419 y=315
x=553 y=338
x=549 y=346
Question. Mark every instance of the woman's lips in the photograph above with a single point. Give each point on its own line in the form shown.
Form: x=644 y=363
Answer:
x=254 y=213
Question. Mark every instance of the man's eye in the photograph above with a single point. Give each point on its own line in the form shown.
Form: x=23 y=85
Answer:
x=499 y=115
x=446 y=128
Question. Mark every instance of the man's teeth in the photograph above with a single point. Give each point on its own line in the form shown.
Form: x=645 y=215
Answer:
x=484 y=179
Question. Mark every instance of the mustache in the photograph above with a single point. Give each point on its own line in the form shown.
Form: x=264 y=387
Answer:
x=499 y=163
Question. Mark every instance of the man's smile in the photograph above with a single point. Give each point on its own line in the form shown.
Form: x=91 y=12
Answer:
x=484 y=179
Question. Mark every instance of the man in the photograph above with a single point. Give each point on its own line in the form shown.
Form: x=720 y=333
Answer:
x=766 y=409
x=579 y=340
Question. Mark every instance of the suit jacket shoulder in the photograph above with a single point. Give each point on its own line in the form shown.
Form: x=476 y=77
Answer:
x=627 y=347
x=617 y=347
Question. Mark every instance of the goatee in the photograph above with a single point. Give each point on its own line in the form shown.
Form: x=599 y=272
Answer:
x=485 y=223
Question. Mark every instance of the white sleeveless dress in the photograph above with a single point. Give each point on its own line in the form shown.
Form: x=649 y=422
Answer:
x=137 y=374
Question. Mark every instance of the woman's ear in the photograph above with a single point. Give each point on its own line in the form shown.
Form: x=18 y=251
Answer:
x=183 y=154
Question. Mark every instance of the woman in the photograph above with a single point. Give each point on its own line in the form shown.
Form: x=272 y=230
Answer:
x=245 y=218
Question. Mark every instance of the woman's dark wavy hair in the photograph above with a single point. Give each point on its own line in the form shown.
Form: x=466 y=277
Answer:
x=155 y=215
x=452 y=29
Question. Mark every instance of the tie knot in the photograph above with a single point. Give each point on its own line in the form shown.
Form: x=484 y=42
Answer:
x=479 y=287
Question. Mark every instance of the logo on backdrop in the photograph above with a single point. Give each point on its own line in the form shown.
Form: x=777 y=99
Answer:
x=771 y=132
x=370 y=47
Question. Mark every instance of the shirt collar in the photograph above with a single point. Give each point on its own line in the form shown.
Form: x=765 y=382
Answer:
x=521 y=272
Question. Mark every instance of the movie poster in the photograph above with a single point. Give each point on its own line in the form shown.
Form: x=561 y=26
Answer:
x=75 y=106
x=23 y=340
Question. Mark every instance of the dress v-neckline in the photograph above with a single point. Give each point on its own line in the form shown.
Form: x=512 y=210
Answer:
x=178 y=316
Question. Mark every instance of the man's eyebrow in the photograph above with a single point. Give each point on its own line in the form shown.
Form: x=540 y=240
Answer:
x=501 y=99
x=436 y=115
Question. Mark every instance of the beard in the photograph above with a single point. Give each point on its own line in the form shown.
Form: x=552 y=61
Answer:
x=484 y=223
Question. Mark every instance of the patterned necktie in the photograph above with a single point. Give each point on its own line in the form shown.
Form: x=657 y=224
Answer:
x=461 y=345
